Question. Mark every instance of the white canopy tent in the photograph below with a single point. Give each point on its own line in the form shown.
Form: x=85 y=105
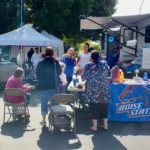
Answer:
x=25 y=36
x=56 y=41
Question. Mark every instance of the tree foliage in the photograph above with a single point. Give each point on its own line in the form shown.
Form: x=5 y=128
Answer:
x=8 y=13
x=103 y=7
x=59 y=17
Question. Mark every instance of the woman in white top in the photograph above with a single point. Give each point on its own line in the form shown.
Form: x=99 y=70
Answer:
x=83 y=58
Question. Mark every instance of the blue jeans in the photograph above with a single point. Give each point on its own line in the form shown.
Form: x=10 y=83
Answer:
x=46 y=96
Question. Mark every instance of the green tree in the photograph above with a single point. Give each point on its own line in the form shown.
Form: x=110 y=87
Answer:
x=78 y=8
x=59 y=17
x=8 y=15
x=49 y=14
x=103 y=7
x=62 y=16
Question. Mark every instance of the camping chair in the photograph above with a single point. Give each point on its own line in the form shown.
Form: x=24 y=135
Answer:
x=62 y=112
x=21 y=106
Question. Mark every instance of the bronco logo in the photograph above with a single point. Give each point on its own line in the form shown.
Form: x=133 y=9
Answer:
x=133 y=90
x=135 y=100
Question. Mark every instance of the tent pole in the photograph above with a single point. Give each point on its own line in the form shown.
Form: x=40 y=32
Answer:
x=21 y=30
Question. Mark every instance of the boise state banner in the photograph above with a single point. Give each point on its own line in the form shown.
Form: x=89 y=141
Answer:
x=129 y=102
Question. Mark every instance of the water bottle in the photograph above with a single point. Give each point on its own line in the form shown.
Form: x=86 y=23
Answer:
x=77 y=78
x=74 y=80
x=145 y=76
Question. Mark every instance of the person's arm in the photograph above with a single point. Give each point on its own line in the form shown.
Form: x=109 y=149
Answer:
x=116 y=53
x=27 y=87
x=32 y=59
x=38 y=70
x=58 y=67
x=78 y=60
x=85 y=73
x=66 y=60
x=74 y=61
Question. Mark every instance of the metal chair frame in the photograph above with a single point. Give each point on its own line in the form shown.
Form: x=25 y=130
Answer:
x=23 y=106
x=66 y=99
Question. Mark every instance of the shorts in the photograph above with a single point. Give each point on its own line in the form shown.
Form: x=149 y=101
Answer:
x=98 y=110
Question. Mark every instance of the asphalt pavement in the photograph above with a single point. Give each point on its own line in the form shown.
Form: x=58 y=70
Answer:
x=30 y=135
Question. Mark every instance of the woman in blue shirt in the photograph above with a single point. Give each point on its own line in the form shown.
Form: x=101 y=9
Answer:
x=70 y=62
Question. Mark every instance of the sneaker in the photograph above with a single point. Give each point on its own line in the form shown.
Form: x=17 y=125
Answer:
x=43 y=123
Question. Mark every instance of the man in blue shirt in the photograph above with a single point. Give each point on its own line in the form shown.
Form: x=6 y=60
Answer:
x=113 y=57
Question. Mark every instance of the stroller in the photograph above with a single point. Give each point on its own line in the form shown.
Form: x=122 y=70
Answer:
x=62 y=113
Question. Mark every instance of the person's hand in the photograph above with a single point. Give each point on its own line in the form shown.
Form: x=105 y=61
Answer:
x=31 y=87
x=26 y=85
x=72 y=56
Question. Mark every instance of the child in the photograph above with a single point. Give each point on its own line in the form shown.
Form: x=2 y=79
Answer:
x=63 y=80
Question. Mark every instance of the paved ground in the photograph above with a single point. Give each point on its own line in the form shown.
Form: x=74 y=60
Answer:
x=31 y=136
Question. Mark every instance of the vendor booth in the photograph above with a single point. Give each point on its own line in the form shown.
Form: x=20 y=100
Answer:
x=130 y=99
x=23 y=38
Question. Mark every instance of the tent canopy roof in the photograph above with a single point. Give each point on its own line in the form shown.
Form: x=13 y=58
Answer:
x=110 y=22
x=56 y=41
x=26 y=36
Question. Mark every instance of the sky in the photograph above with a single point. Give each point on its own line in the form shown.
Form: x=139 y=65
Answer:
x=132 y=7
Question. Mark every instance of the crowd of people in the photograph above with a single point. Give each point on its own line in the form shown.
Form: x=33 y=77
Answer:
x=52 y=74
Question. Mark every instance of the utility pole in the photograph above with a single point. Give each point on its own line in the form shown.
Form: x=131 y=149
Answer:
x=21 y=9
x=141 y=7
x=21 y=24
x=20 y=13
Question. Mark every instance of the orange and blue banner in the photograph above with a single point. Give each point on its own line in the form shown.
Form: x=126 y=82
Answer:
x=129 y=102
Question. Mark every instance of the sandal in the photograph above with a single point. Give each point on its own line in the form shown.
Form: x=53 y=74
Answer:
x=93 y=129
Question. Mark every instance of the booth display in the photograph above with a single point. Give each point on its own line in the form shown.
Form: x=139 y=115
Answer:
x=130 y=101
x=130 y=98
